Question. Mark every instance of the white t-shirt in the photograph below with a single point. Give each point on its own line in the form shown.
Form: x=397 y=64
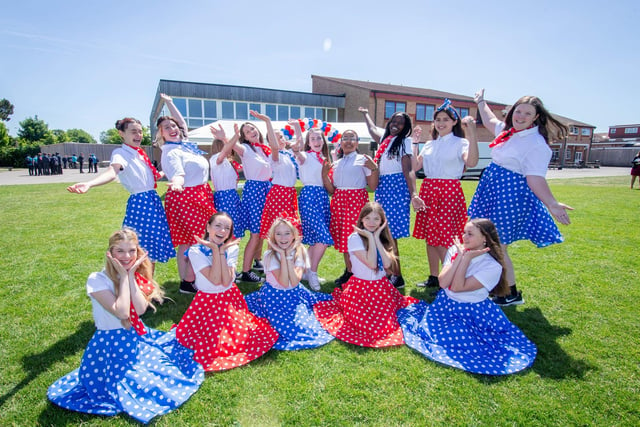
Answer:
x=104 y=320
x=223 y=175
x=350 y=172
x=256 y=166
x=310 y=170
x=358 y=268
x=485 y=269
x=200 y=261
x=284 y=171
x=442 y=157
x=274 y=264
x=526 y=152
x=177 y=160
x=135 y=176
x=390 y=166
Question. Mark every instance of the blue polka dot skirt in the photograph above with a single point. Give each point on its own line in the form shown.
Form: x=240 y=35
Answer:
x=393 y=194
x=146 y=216
x=254 y=196
x=474 y=337
x=290 y=312
x=228 y=201
x=505 y=198
x=121 y=371
x=315 y=214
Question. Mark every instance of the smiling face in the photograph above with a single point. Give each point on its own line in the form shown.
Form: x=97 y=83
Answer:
x=250 y=133
x=472 y=237
x=443 y=123
x=283 y=236
x=372 y=221
x=170 y=131
x=282 y=143
x=315 y=140
x=523 y=116
x=219 y=229
x=132 y=135
x=396 y=124
x=349 y=142
x=126 y=252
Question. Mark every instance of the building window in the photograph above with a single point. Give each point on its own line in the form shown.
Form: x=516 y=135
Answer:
x=241 y=111
x=271 y=111
x=320 y=113
x=567 y=154
x=391 y=107
x=210 y=110
x=227 y=110
x=332 y=115
x=578 y=157
x=254 y=107
x=309 y=112
x=586 y=132
x=462 y=112
x=195 y=108
x=181 y=105
x=195 y=123
x=573 y=130
x=424 y=112
x=631 y=130
x=612 y=131
x=283 y=112
x=555 y=154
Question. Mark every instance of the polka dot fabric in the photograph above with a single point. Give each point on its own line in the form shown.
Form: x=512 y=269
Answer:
x=143 y=376
x=393 y=194
x=345 y=209
x=446 y=212
x=188 y=213
x=223 y=332
x=290 y=312
x=228 y=201
x=474 y=337
x=316 y=215
x=364 y=313
x=146 y=216
x=254 y=195
x=281 y=201
x=505 y=198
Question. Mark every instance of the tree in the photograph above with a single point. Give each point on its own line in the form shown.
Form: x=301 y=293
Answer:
x=146 y=136
x=110 y=136
x=32 y=129
x=5 y=139
x=60 y=135
x=6 y=109
x=79 y=135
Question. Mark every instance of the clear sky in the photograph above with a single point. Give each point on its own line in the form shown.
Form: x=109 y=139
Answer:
x=85 y=64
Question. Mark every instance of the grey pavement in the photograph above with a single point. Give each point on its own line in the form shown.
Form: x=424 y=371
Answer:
x=21 y=176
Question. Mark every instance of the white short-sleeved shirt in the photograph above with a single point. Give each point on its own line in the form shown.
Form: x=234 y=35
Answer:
x=310 y=170
x=177 y=160
x=358 y=268
x=256 y=166
x=390 y=166
x=223 y=175
x=526 y=152
x=135 y=176
x=200 y=261
x=350 y=172
x=284 y=171
x=442 y=157
x=485 y=269
x=104 y=320
x=274 y=264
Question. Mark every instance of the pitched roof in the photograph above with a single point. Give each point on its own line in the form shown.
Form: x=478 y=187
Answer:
x=567 y=121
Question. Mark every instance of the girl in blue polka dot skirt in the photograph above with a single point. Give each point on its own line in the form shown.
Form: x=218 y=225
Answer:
x=282 y=299
x=127 y=367
x=513 y=191
x=463 y=328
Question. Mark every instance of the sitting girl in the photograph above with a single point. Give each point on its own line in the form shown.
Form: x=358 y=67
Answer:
x=218 y=325
x=282 y=299
x=127 y=366
x=463 y=328
x=364 y=313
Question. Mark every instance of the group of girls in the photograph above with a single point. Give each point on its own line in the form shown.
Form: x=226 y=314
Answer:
x=222 y=329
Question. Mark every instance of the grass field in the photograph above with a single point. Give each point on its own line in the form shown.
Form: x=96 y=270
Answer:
x=581 y=311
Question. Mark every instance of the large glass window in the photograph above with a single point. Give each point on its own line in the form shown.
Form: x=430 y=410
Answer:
x=391 y=107
x=424 y=112
x=195 y=123
x=181 y=105
x=210 y=110
x=254 y=107
x=586 y=132
x=241 y=111
x=227 y=110
x=332 y=115
x=195 y=108
x=271 y=112
x=295 y=112
x=283 y=112
x=462 y=112
x=309 y=112
x=320 y=113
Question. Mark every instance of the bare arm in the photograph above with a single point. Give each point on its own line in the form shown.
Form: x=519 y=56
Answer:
x=104 y=178
x=175 y=113
x=271 y=134
x=374 y=131
x=470 y=158
x=374 y=178
x=368 y=257
x=326 y=181
x=489 y=120
x=540 y=188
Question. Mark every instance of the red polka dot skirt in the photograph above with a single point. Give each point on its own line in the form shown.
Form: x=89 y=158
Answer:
x=281 y=202
x=345 y=208
x=364 y=313
x=188 y=213
x=222 y=331
x=446 y=212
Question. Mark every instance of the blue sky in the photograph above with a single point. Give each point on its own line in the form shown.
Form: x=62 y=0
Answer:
x=85 y=64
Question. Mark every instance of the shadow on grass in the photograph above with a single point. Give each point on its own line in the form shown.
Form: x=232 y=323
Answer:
x=35 y=364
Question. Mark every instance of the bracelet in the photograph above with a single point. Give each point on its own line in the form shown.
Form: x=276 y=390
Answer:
x=481 y=101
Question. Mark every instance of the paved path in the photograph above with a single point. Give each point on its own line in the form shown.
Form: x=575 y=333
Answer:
x=21 y=176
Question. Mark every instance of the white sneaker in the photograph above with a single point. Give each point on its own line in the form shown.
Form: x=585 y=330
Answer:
x=314 y=283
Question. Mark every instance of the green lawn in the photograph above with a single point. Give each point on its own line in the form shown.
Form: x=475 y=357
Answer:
x=581 y=311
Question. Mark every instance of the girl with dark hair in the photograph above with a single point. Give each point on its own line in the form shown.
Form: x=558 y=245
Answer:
x=397 y=188
x=189 y=200
x=443 y=160
x=463 y=328
x=513 y=191
x=364 y=311
x=635 y=169
x=133 y=168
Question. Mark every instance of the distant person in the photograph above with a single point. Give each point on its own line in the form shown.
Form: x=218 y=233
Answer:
x=46 y=164
x=95 y=163
x=81 y=161
x=65 y=160
x=513 y=192
x=30 y=165
x=635 y=169
x=90 y=163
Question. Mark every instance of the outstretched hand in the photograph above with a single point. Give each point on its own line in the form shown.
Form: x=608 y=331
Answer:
x=479 y=96
x=218 y=133
x=259 y=116
x=79 y=188
x=363 y=110
x=560 y=213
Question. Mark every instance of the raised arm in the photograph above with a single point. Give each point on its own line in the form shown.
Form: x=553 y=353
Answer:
x=470 y=158
x=299 y=147
x=374 y=131
x=175 y=113
x=105 y=177
x=228 y=143
x=271 y=134
x=489 y=120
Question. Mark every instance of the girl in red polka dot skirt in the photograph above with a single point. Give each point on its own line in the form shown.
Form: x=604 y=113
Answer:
x=218 y=326
x=443 y=160
x=364 y=313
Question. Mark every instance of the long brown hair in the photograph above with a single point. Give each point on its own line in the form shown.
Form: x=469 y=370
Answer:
x=547 y=125
x=159 y=138
x=490 y=233
x=325 y=146
x=385 y=235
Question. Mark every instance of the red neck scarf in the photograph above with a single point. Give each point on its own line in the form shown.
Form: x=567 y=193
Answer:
x=144 y=284
x=147 y=160
x=505 y=135
x=136 y=323
x=318 y=156
x=236 y=166
x=382 y=148
x=265 y=148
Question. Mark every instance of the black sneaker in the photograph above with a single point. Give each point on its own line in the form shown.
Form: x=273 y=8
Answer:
x=431 y=282
x=343 y=279
x=249 y=277
x=397 y=281
x=509 y=300
x=257 y=266
x=188 y=287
